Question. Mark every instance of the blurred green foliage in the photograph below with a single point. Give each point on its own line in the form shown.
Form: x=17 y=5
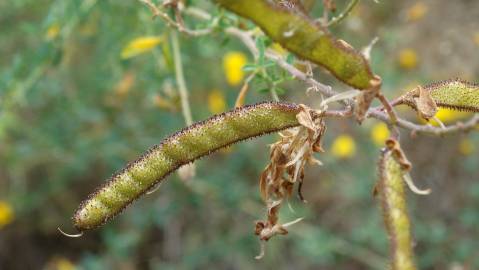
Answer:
x=67 y=123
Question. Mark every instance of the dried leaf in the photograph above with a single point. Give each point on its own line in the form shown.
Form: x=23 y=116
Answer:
x=395 y=148
x=304 y=118
x=287 y=160
x=364 y=100
x=263 y=184
x=426 y=106
x=330 y=5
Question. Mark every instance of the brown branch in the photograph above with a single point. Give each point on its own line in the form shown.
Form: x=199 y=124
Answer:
x=244 y=90
x=344 y=14
x=246 y=38
x=157 y=12
x=390 y=118
x=428 y=129
x=388 y=107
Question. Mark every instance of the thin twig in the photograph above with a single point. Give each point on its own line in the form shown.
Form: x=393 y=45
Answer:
x=274 y=95
x=244 y=90
x=198 y=13
x=170 y=22
x=428 y=129
x=367 y=50
x=325 y=18
x=344 y=14
x=388 y=107
x=180 y=79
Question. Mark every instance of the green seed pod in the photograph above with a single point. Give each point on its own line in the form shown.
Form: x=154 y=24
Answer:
x=393 y=202
x=181 y=148
x=453 y=94
x=299 y=34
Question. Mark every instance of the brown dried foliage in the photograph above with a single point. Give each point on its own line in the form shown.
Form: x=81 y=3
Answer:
x=288 y=158
x=363 y=101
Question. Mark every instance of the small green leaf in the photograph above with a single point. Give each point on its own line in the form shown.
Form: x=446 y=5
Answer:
x=263 y=90
x=268 y=64
x=290 y=58
x=280 y=91
x=261 y=49
x=250 y=67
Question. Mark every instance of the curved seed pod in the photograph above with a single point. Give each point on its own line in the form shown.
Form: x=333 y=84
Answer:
x=181 y=148
x=453 y=94
x=393 y=201
x=295 y=31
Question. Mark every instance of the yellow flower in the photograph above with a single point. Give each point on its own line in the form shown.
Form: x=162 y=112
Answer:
x=408 y=59
x=448 y=116
x=60 y=263
x=64 y=264
x=466 y=147
x=416 y=12
x=216 y=102
x=379 y=133
x=140 y=45
x=343 y=147
x=233 y=63
x=6 y=214
x=52 y=31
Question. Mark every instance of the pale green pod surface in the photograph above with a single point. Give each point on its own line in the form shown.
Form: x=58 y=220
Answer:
x=181 y=148
x=393 y=201
x=453 y=94
x=302 y=36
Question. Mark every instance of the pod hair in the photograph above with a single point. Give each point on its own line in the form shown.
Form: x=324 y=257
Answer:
x=183 y=147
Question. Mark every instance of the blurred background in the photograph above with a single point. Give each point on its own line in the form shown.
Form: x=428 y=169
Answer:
x=86 y=86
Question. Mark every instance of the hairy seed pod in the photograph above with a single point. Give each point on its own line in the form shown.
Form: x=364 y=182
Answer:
x=454 y=94
x=299 y=34
x=181 y=148
x=393 y=202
